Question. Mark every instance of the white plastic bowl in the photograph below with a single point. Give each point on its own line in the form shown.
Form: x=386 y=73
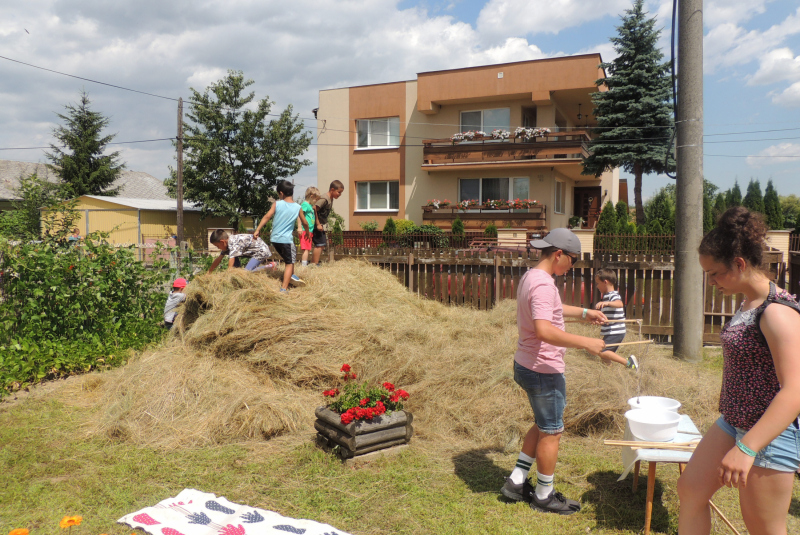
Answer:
x=654 y=403
x=653 y=425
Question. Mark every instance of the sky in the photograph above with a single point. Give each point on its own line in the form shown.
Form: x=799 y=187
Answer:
x=292 y=50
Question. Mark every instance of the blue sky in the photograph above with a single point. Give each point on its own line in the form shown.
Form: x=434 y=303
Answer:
x=293 y=50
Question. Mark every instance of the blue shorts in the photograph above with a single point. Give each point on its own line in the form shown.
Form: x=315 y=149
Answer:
x=547 y=394
x=782 y=454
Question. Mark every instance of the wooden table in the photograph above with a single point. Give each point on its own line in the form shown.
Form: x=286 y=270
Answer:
x=632 y=459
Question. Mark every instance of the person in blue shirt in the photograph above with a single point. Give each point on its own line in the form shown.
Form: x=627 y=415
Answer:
x=286 y=213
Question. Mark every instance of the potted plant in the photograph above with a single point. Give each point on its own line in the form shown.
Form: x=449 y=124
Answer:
x=361 y=418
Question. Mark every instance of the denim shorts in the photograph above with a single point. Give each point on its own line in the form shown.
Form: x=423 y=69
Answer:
x=611 y=340
x=547 y=394
x=782 y=454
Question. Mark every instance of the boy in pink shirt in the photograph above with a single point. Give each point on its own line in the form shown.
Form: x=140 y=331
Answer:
x=539 y=368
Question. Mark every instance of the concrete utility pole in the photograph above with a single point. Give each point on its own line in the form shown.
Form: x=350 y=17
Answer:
x=179 y=187
x=688 y=311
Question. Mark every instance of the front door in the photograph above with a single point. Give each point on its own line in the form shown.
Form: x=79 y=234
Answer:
x=587 y=205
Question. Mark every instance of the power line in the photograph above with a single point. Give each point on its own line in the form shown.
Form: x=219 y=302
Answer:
x=112 y=143
x=88 y=79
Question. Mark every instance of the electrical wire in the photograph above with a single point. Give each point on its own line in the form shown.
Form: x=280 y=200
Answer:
x=112 y=143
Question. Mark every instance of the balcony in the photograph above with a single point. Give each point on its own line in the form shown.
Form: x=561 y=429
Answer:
x=533 y=218
x=547 y=148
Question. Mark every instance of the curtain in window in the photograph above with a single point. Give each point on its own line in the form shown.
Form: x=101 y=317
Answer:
x=362 y=193
x=394 y=195
x=494 y=188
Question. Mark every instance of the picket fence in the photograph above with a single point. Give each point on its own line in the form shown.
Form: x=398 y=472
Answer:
x=481 y=279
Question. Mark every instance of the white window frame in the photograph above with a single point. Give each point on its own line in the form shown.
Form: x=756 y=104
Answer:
x=369 y=123
x=388 y=196
x=480 y=188
x=483 y=124
x=560 y=185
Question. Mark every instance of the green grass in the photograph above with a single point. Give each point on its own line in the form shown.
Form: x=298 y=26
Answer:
x=49 y=468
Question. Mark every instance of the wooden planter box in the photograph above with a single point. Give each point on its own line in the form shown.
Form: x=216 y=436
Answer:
x=362 y=437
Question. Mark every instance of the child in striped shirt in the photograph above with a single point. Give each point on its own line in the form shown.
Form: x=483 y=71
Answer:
x=611 y=305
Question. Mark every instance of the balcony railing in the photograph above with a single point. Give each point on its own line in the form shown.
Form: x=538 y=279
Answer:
x=532 y=218
x=486 y=149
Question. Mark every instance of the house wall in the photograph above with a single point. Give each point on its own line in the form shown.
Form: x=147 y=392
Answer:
x=333 y=151
x=372 y=102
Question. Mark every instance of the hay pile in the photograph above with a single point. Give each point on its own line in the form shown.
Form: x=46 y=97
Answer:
x=246 y=362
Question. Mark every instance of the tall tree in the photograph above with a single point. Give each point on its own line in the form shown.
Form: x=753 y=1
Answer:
x=661 y=208
x=772 y=207
x=790 y=206
x=78 y=160
x=234 y=155
x=606 y=227
x=623 y=216
x=753 y=200
x=634 y=116
x=733 y=197
x=719 y=206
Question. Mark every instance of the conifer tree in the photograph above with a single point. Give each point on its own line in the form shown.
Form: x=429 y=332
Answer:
x=708 y=214
x=79 y=161
x=606 y=227
x=719 y=206
x=734 y=195
x=753 y=200
x=634 y=116
x=661 y=208
x=623 y=216
x=772 y=207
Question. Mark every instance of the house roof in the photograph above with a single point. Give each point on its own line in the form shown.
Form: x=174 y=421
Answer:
x=133 y=184
x=145 y=204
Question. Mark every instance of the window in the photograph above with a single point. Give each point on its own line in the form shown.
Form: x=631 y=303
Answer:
x=561 y=194
x=486 y=120
x=379 y=196
x=373 y=133
x=484 y=189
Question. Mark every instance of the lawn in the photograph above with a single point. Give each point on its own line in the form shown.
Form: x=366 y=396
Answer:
x=51 y=468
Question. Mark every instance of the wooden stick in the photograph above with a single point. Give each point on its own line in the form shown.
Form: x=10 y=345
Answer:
x=665 y=447
x=607 y=321
x=727 y=522
x=633 y=343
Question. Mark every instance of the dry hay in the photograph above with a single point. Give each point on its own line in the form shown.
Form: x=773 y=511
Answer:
x=246 y=362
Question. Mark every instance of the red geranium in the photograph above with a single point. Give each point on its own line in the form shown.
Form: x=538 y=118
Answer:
x=359 y=401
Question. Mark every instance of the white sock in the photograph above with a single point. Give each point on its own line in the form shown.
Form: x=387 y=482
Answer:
x=544 y=485
x=520 y=473
x=304 y=262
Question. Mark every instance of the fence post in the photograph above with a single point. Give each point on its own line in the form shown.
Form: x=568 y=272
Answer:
x=410 y=272
x=495 y=298
x=330 y=256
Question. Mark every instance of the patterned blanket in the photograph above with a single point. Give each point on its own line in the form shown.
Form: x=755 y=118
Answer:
x=198 y=513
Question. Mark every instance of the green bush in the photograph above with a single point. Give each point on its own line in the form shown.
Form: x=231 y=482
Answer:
x=490 y=230
x=457 y=227
x=338 y=237
x=389 y=228
x=434 y=236
x=369 y=226
x=404 y=225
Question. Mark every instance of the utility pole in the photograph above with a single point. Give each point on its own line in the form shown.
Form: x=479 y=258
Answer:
x=688 y=312
x=179 y=188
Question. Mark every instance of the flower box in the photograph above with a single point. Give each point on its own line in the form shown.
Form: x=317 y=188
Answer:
x=360 y=437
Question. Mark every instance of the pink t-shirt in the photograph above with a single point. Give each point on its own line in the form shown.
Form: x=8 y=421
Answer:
x=538 y=299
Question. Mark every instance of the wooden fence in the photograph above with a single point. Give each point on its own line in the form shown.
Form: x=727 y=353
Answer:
x=481 y=279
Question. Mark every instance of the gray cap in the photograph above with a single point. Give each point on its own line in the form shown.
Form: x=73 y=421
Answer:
x=563 y=238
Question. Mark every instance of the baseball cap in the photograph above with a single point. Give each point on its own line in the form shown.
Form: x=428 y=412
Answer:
x=562 y=238
x=179 y=283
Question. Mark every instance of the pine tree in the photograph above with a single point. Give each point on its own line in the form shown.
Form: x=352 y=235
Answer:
x=634 y=117
x=753 y=200
x=623 y=216
x=734 y=196
x=389 y=228
x=772 y=207
x=607 y=228
x=719 y=206
x=457 y=227
x=661 y=208
x=79 y=161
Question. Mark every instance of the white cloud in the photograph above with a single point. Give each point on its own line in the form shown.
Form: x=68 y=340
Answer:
x=780 y=153
x=717 y=12
x=777 y=66
x=790 y=97
x=523 y=17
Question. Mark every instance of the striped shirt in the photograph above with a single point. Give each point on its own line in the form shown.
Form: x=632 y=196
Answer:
x=613 y=313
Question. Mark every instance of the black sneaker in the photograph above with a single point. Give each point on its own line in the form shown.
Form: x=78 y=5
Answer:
x=511 y=490
x=555 y=503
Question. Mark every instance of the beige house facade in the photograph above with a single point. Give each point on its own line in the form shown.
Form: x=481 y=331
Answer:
x=527 y=126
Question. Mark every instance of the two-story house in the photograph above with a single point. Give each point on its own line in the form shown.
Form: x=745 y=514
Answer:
x=496 y=132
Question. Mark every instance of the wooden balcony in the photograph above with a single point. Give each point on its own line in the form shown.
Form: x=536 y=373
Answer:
x=532 y=219
x=512 y=152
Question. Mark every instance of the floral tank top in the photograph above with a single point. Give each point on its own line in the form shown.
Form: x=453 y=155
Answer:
x=749 y=381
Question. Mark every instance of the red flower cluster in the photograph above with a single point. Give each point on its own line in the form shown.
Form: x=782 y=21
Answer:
x=357 y=413
x=397 y=396
x=331 y=393
x=388 y=386
x=345 y=368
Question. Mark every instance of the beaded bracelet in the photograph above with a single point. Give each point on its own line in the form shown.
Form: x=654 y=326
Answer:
x=745 y=449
